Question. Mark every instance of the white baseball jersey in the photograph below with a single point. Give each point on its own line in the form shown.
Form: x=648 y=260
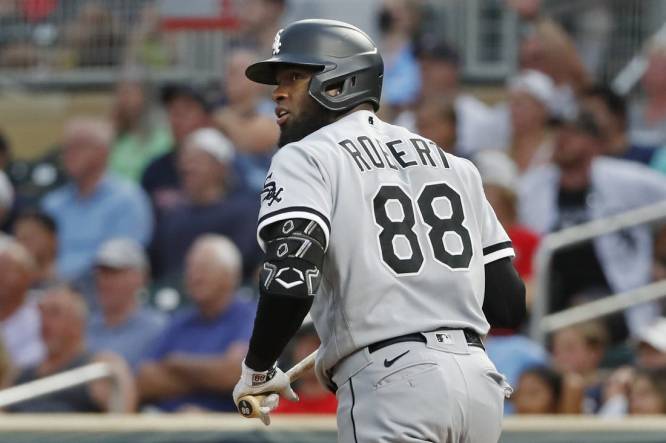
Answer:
x=408 y=231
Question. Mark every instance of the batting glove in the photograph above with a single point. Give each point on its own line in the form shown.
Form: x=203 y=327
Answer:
x=269 y=383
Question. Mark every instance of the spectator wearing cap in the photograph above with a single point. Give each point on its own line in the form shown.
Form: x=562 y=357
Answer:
x=19 y=316
x=580 y=186
x=38 y=233
x=610 y=112
x=196 y=362
x=212 y=205
x=139 y=135
x=95 y=205
x=477 y=126
x=187 y=110
x=122 y=325
x=531 y=143
x=651 y=345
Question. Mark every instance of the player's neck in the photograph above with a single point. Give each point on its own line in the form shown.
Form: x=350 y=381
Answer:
x=361 y=107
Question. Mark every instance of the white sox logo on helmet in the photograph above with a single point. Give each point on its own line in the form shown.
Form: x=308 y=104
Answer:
x=277 y=43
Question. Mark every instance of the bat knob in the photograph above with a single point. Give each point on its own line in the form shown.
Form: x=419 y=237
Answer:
x=245 y=408
x=249 y=405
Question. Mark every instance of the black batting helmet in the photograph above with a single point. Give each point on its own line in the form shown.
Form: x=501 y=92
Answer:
x=343 y=55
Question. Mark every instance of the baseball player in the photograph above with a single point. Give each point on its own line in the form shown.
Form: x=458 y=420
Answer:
x=391 y=245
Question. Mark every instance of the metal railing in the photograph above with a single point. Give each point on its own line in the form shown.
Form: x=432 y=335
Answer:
x=540 y=322
x=65 y=380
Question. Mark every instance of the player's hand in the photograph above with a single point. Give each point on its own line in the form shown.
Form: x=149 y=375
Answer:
x=269 y=383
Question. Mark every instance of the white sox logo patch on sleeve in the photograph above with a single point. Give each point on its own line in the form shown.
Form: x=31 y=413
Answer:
x=277 y=43
x=271 y=193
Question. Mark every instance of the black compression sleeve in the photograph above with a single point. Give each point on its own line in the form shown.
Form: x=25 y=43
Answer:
x=504 y=301
x=278 y=318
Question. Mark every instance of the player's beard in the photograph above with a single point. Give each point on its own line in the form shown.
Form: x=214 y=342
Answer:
x=312 y=117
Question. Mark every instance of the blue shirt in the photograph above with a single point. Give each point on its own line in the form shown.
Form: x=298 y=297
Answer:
x=234 y=216
x=130 y=339
x=512 y=354
x=191 y=333
x=116 y=208
x=402 y=78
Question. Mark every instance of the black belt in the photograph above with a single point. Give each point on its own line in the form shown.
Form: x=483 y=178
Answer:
x=472 y=338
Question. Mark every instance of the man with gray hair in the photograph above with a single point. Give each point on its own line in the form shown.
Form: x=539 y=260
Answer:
x=95 y=206
x=195 y=363
x=122 y=325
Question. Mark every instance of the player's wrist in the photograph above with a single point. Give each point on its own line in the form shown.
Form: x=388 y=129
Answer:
x=253 y=377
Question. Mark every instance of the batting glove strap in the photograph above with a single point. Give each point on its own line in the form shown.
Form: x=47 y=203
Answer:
x=257 y=378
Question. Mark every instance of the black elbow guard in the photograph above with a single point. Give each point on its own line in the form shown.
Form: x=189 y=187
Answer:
x=294 y=257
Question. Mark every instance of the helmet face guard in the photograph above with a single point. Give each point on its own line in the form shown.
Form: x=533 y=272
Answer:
x=342 y=56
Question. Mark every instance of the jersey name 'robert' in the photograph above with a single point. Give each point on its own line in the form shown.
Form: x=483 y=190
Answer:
x=368 y=154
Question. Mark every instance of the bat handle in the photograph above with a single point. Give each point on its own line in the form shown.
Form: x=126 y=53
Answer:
x=249 y=405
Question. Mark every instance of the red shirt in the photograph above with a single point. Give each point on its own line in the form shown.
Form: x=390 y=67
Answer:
x=525 y=244
x=327 y=404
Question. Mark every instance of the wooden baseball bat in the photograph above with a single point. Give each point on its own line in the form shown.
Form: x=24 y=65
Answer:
x=248 y=406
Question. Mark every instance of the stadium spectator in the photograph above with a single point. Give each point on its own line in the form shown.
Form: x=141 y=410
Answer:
x=580 y=349
x=313 y=397
x=19 y=316
x=580 y=186
x=539 y=391
x=139 y=137
x=259 y=22
x=650 y=355
x=530 y=95
x=548 y=49
x=187 y=110
x=63 y=314
x=245 y=116
x=122 y=325
x=610 y=112
x=577 y=353
x=94 y=38
x=196 y=362
x=212 y=205
x=94 y=206
x=399 y=23
x=436 y=120
x=651 y=345
x=38 y=233
x=248 y=119
x=477 y=125
x=648 y=392
x=647 y=119
x=149 y=45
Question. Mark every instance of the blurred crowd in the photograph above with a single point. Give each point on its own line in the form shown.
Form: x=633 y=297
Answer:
x=133 y=240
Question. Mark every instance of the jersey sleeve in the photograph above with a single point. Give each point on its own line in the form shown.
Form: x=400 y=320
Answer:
x=296 y=186
x=494 y=239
